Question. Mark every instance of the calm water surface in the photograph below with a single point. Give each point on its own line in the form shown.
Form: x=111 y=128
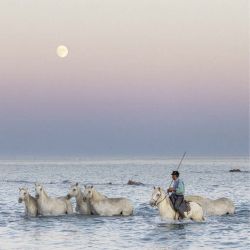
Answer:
x=143 y=230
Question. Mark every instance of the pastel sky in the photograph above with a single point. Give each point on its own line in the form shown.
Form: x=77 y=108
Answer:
x=143 y=77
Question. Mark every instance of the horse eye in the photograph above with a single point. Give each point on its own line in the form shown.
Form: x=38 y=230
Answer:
x=89 y=192
x=24 y=193
x=74 y=189
x=158 y=194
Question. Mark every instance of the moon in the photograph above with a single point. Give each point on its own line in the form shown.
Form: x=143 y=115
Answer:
x=62 y=51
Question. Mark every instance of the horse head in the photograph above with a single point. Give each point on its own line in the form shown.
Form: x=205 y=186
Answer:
x=157 y=196
x=74 y=191
x=23 y=194
x=88 y=192
x=39 y=189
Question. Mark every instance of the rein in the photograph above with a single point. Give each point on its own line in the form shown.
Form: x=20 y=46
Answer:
x=156 y=204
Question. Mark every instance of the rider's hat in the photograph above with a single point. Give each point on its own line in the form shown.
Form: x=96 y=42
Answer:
x=175 y=173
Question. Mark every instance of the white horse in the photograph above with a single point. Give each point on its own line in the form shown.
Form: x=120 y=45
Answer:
x=104 y=206
x=161 y=200
x=219 y=206
x=82 y=205
x=52 y=206
x=31 y=208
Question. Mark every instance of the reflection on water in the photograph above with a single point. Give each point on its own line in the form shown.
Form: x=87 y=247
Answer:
x=142 y=230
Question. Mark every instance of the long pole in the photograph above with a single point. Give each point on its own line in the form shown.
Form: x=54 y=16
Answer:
x=179 y=166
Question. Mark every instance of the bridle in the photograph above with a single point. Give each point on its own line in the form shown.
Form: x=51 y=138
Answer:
x=156 y=203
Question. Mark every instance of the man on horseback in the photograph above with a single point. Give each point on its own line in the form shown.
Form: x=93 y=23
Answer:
x=177 y=194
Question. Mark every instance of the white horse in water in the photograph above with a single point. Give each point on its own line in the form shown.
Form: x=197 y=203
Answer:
x=219 y=206
x=82 y=205
x=161 y=200
x=104 y=206
x=31 y=208
x=52 y=206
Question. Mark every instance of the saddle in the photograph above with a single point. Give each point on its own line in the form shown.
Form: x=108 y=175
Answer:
x=187 y=206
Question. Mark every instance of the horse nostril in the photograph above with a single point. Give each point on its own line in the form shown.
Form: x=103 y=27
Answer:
x=68 y=196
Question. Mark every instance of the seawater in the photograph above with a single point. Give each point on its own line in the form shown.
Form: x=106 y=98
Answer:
x=208 y=177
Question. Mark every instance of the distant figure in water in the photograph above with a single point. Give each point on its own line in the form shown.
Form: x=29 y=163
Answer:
x=177 y=194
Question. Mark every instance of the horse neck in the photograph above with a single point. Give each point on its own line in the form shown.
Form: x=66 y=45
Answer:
x=44 y=195
x=27 y=200
x=164 y=207
x=79 y=197
x=96 y=196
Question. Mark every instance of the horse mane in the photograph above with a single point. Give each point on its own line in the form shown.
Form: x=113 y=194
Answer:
x=45 y=193
x=96 y=195
x=166 y=197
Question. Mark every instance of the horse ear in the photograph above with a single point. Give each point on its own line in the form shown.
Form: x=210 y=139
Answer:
x=77 y=184
x=159 y=188
x=91 y=187
x=154 y=187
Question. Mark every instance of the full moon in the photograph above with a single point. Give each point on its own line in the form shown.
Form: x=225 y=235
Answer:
x=62 y=51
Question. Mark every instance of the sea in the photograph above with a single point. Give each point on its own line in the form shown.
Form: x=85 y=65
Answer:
x=209 y=177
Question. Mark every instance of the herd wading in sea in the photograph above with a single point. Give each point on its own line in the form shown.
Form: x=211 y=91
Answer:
x=91 y=202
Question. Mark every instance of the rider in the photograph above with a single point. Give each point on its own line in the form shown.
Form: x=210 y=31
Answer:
x=177 y=193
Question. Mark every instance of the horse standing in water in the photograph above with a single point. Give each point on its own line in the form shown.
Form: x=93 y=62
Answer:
x=107 y=206
x=31 y=207
x=219 y=206
x=161 y=200
x=82 y=205
x=51 y=206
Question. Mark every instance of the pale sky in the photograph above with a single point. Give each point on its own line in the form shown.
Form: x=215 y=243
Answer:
x=142 y=77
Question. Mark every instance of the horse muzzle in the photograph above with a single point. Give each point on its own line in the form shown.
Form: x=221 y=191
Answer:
x=152 y=203
x=20 y=200
x=68 y=196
